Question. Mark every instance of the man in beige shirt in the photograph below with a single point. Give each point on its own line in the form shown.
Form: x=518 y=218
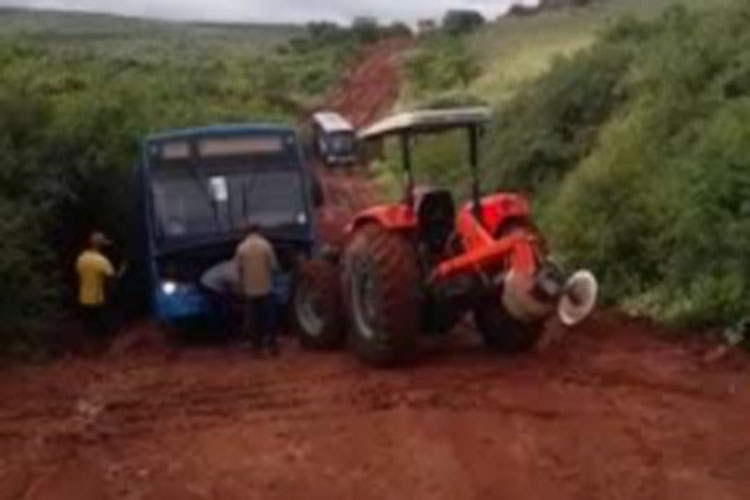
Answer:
x=256 y=264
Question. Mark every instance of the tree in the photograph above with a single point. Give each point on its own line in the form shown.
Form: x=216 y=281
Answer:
x=397 y=30
x=324 y=31
x=462 y=21
x=366 y=29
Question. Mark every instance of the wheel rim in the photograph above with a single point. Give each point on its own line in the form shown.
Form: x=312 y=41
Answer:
x=364 y=294
x=306 y=305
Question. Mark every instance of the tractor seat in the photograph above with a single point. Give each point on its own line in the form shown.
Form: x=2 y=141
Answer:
x=436 y=215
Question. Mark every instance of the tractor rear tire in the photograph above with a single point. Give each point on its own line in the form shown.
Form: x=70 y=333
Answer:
x=503 y=333
x=382 y=291
x=318 y=310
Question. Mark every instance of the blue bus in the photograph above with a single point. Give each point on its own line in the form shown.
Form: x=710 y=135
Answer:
x=199 y=189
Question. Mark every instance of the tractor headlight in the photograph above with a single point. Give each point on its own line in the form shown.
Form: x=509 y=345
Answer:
x=169 y=287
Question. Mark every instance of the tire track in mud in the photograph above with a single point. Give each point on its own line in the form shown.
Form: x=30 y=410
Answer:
x=134 y=406
x=117 y=407
x=545 y=401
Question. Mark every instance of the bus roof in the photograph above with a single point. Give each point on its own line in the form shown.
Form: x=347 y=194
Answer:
x=220 y=130
x=332 y=122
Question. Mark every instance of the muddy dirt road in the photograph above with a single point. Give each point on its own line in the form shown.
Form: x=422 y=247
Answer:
x=367 y=91
x=370 y=88
x=612 y=412
x=615 y=410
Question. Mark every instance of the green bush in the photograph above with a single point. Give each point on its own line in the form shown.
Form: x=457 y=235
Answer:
x=71 y=123
x=441 y=65
x=365 y=30
x=462 y=21
x=638 y=155
x=452 y=100
x=27 y=289
x=553 y=123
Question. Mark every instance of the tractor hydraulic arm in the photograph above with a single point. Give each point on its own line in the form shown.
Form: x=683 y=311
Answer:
x=517 y=250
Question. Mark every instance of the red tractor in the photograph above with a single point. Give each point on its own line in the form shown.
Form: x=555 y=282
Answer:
x=422 y=265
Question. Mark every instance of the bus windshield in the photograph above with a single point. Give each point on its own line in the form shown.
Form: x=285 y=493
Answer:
x=198 y=202
x=342 y=143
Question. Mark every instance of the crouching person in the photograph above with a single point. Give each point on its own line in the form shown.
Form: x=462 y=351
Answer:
x=256 y=263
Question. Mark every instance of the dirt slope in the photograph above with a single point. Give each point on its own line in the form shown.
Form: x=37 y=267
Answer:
x=371 y=87
x=367 y=91
x=613 y=411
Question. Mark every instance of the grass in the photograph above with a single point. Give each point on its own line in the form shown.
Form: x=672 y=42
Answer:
x=128 y=36
x=514 y=50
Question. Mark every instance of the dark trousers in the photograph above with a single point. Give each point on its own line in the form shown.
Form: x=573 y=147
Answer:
x=95 y=320
x=259 y=321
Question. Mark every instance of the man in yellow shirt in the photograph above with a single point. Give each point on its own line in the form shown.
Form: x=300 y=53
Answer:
x=94 y=270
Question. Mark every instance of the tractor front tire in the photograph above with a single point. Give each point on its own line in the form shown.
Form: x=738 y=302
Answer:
x=318 y=309
x=503 y=333
x=381 y=286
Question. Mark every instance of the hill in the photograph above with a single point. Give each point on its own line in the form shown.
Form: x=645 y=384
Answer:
x=513 y=49
x=112 y=34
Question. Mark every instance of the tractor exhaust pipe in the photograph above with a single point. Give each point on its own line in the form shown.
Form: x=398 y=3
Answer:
x=535 y=299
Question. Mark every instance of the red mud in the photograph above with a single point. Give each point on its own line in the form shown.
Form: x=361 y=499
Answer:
x=371 y=87
x=610 y=412
x=367 y=91
x=615 y=410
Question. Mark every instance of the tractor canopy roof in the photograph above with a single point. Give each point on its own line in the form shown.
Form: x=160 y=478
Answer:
x=427 y=121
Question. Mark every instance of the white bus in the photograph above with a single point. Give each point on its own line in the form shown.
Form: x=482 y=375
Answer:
x=334 y=139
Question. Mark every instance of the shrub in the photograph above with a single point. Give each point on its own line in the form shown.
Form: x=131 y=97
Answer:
x=637 y=154
x=397 y=30
x=365 y=30
x=71 y=122
x=553 y=124
x=442 y=65
x=462 y=21
x=28 y=291
x=656 y=201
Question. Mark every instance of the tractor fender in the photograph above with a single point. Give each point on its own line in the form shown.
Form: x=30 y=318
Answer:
x=392 y=217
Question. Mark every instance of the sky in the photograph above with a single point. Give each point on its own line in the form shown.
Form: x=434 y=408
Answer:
x=273 y=10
